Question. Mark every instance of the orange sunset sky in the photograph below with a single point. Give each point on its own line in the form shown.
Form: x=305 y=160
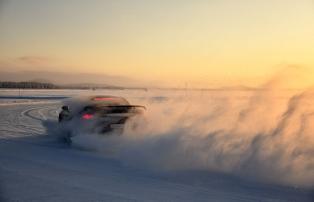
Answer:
x=170 y=42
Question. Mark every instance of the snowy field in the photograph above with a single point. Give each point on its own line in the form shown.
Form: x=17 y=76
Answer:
x=193 y=146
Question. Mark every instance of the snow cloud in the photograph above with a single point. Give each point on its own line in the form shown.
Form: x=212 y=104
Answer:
x=264 y=135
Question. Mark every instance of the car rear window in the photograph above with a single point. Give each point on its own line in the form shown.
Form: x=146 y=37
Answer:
x=110 y=101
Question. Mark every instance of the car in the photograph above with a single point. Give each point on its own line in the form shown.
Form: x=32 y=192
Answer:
x=102 y=115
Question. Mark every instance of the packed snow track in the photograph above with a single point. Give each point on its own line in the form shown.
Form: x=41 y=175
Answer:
x=36 y=167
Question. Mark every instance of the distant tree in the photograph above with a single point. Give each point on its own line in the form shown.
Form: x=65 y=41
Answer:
x=27 y=85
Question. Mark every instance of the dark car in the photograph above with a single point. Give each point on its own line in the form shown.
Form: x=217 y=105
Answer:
x=99 y=114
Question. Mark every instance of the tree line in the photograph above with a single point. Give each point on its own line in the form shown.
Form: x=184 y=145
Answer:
x=46 y=85
x=27 y=84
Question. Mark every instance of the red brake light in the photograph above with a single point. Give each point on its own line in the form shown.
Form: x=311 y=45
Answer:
x=87 y=116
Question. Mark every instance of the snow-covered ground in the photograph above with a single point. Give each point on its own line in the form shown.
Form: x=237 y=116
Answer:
x=35 y=166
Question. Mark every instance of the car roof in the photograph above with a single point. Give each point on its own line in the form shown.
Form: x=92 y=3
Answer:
x=108 y=100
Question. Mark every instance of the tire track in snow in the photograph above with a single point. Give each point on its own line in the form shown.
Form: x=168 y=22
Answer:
x=28 y=113
x=21 y=120
x=20 y=124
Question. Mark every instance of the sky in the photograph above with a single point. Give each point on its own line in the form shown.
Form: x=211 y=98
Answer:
x=163 y=42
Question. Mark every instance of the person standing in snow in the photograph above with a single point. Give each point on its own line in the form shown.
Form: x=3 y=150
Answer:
x=64 y=114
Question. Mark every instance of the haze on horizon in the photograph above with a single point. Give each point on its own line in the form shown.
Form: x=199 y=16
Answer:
x=167 y=43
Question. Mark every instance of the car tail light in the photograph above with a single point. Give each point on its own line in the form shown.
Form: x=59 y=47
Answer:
x=87 y=116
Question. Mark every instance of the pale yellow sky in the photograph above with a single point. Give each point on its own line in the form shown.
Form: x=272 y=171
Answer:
x=202 y=43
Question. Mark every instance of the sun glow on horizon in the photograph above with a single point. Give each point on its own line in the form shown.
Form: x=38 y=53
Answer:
x=202 y=43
